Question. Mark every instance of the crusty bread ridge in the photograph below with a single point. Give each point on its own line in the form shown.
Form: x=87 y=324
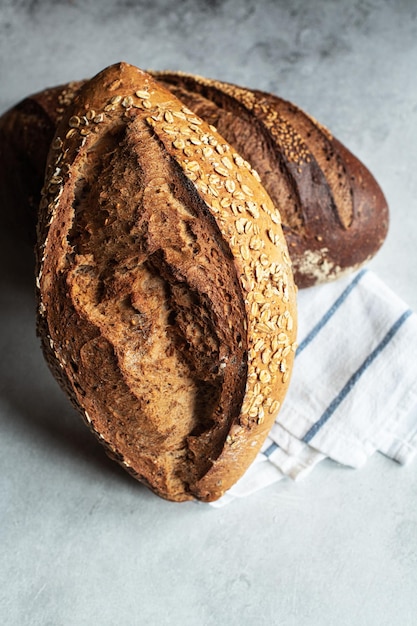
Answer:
x=166 y=299
x=335 y=216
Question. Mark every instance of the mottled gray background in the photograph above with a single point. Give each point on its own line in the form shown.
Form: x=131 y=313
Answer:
x=82 y=543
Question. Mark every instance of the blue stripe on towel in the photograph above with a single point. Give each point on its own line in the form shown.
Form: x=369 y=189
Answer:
x=326 y=317
x=270 y=449
x=356 y=376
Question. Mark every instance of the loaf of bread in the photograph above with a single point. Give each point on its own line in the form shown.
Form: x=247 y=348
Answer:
x=166 y=302
x=334 y=214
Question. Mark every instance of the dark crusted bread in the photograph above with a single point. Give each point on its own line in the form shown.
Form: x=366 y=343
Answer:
x=26 y=132
x=166 y=298
x=334 y=213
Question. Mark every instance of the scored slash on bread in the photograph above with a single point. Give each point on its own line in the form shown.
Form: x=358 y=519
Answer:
x=166 y=298
x=334 y=214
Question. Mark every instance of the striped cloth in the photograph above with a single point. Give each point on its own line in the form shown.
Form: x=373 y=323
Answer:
x=354 y=385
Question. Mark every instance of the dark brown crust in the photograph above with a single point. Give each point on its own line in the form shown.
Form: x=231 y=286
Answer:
x=335 y=216
x=26 y=132
x=166 y=300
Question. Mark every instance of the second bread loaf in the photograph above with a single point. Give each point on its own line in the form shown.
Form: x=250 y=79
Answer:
x=334 y=213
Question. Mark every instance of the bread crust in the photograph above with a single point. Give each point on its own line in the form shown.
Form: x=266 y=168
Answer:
x=166 y=302
x=335 y=216
x=26 y=132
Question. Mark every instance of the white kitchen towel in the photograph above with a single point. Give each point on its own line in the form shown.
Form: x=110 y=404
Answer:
x=353 y=388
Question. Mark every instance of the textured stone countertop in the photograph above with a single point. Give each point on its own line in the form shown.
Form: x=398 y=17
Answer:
x=82 y=543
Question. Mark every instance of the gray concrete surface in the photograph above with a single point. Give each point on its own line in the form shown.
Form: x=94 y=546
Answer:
x=82 y=544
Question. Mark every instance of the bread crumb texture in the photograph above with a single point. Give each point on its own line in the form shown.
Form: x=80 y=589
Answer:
x=166 y=299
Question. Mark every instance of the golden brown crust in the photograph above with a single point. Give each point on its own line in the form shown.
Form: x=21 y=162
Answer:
x=166 y=299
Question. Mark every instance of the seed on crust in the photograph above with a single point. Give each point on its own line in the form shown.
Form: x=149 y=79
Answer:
x=274 y=406
x=227 y=163
x=247 y=190
x=127 y=102
x=74 y=121
x=230 y=185
x=252 y=209
x=244 y=251
x=266 y=356
x=179 y=143
x=240 y=225
x=207 y=151
x=221 y=170
x=142 y=94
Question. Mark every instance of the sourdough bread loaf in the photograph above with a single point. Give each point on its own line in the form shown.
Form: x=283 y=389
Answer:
x=166 y=302
x=335 y=216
